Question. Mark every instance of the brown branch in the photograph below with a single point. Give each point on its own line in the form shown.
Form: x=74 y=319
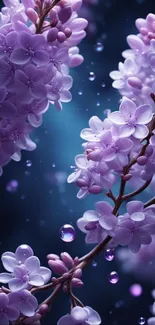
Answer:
x=141 y=189
x=147 y=204
x=43 y=16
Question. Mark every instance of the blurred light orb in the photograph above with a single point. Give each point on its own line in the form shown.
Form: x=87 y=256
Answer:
x=92 y=76
x=113 y=277
x=28 y=163
x=12 y=186
x=67 y=233
x=99 y=47
x=136 y=290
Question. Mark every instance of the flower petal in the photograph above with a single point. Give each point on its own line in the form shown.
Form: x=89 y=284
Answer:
x=143 y=114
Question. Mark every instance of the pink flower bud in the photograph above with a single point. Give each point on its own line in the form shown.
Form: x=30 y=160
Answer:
x=67 y=259
x=135 y=82
x=142 y=160
x=76 y=60
x=65 y=13
x=95 y=155
x=43 y=309
x=95 y=189
x=76 y=283
x=140 y=23
x=149 y=151
x=32 y=15
x=143 y=31
x=53 y=257
x=76 y=260
x=61 y=37
x=57 y=266
x=68 y=32
x=126 y=177
x=77 y=273
x=52 y=34
x=81 y=183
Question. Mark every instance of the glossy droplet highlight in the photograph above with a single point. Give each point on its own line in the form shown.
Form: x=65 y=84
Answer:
x=91 y=76
x=67 y=233
x=109 y=254
x=99 y=47
x=113 y=277
x=28 y=163
x=12 y=186
x=23 y=252
x=141 y=321
x=136 y=290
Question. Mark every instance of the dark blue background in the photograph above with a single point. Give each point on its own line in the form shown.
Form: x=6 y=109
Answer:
x=34 y=214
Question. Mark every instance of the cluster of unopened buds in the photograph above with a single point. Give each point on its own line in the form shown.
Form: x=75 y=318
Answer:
x=38 y=45
x=25 y=277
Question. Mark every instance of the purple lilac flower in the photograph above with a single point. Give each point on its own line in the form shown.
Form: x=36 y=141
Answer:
x=132 y=119
x=81 y=316
x=24 y=301
x=25 y=270
x=97 y=224
x=7 y=312
x=135 y=227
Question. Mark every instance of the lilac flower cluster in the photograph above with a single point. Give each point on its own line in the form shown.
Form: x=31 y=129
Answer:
x=135 y=78
x=120 y=147
x=25 y=272
x=38 y=45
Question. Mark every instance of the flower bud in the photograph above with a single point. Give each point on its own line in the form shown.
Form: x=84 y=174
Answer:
x=68 y=32
x=52 y=34
x=32 y=15
x=142 y=160
x=67 y=259
x=65 y=13
x=81 y=182
x=53 y=257
x=95 y=189
x=149 y=151
x=61 y=37
x=126 y=177
x=43 y=309
x=75 y=282
x=95 y=155
x=57 y=266
x=135 y=82
x=77 y=273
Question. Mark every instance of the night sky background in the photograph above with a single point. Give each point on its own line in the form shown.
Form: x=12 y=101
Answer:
x=41 y=205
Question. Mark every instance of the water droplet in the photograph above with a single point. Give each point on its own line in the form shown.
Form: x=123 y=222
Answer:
x=99 y=47
x=141 y=321
x=12 y=186
x=98 y=103
x=28 y=163
x=136 y=290
x=23 y=252
x=103 y=84
x=109 y=254
x=80 y=92
x=53 y=165
x=91 y=76
x=113 y=277
x=94 y=263
x=67 y=233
